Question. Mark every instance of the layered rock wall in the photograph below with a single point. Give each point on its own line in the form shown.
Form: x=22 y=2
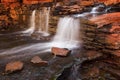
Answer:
x=106 y=38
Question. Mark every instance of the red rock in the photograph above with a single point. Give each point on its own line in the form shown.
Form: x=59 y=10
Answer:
x=14 y=66
x=106 y=19
x=117 y=53
x=109 y=2
x=115 y=28
x=113 y=39
x=37 y=60
x=14 y=5
x=35 y=1
x=92 y=54
x=86 y=3
x=60 y=51
x=7 y=1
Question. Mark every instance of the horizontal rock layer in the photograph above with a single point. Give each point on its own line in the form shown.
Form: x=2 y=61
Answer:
x=105 y=39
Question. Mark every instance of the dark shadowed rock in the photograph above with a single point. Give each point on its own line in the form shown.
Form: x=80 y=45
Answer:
x=92 y=55
x=60 y=51
x=92 y=72
x=14 y=66
x=38 y=61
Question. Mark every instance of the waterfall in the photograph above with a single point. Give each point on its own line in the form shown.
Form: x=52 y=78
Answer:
x=94 y=12
x=32 y=24
x=68 y=31
x=44 y=21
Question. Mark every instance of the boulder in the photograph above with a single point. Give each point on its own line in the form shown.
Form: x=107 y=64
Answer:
x=14 y=66
x=38 y=61
x=60 y=51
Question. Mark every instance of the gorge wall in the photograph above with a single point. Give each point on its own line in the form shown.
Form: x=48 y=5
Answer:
x=17 y=12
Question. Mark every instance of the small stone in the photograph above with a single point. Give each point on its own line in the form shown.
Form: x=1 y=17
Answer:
x=60 y=51
x=14 y=66
x=37 y=60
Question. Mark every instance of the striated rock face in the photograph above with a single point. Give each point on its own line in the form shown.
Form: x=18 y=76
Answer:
x=7 y=1
x=109 y=2
x=111 y=18
x=35 y=1
x=106 y=38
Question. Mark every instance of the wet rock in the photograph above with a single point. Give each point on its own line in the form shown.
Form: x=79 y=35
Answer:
x=14 y=66
x=91 y=73
x=60 y=51
x=38 y=61
x=92 y=55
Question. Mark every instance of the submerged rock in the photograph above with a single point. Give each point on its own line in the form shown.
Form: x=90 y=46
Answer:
x=38 y=61
x=60 y=51
x=14 y=66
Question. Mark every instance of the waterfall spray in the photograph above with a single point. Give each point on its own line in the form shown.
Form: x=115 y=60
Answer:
x=44 y=21
x=68 y=32
x=32 y=24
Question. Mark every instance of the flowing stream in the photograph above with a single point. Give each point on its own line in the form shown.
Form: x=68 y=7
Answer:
x=67 y=36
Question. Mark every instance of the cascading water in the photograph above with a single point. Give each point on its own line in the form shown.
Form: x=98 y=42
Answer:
x=32 y=24
x=94 y=11
x=68 y=31
x=67 y=34
x=44 y=21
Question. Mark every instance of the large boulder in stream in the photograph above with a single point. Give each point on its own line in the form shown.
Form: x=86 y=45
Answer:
x=60 y=51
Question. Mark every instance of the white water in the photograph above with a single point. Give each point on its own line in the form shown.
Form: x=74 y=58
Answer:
x=68 y=33
x=67 y=36
x=43 y=22
x=94 y=11
x=30 y=30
